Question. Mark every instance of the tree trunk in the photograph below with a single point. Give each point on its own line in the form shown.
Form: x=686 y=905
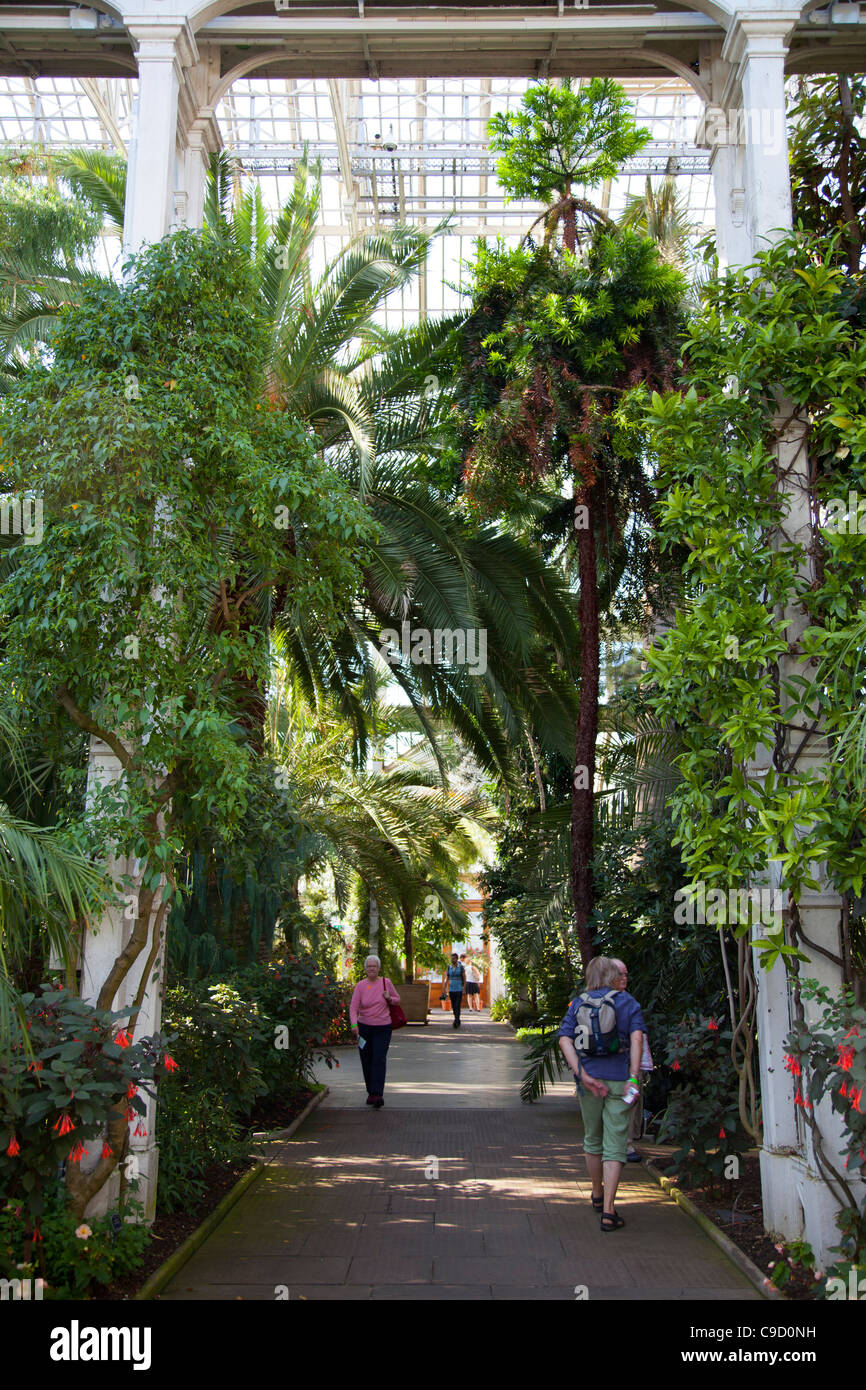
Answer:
x=853 y=235
x=582 y=786
x=408 y=945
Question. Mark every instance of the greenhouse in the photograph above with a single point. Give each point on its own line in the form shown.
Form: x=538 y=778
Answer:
x=433 y=657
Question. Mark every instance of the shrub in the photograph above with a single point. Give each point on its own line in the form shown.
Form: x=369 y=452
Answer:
x=499 y=1009
x=239 y=1043
x=521 y=1012
x=71 y=1255
x=195 y=1129
x=62 y=1092
x=702 y=1115
x=299 y=1003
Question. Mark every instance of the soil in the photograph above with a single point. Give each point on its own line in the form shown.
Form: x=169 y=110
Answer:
x=737 y=1209
x=171 y=1229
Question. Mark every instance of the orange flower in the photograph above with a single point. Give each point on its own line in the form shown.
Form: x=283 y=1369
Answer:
x=713 y=1026
x=14 y=1148
x=122 y=1038
x=76 y=1154
x=64 y=1125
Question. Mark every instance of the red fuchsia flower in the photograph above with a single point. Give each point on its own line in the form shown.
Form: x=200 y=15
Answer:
x=675 y=1066
x=798 y=1099
x=35 y=1066
x=138 y=1132
x=107 y=1151
x=722 y=1134
x=846 y=1057
x=843 y=1089
x=131 y=1114
x=76 y=1154
x=170 y=1063
x=854 y=1097
x=122 y=1038
x=64 y=1125
x=792 y=1065
x=14 y=1148
x=131 y=1090
x=853 y=1032
x=713 y=1026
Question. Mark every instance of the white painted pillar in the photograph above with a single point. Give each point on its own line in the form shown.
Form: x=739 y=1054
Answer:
x=198 y=138
x=756 y=47
x=163 y=50
x=749 y=82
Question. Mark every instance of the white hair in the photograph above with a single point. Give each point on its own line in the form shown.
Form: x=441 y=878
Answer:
x=369 y=958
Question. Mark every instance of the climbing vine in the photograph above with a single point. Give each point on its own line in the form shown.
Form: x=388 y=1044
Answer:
x=762 y=666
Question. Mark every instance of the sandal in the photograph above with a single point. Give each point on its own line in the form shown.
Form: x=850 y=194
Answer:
x=611 y=1221
x=597 y=1203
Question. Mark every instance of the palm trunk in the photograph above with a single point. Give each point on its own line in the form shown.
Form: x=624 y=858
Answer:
x=408 y=944
x=582 y=787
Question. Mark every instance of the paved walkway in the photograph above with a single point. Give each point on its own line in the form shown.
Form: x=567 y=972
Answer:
x=455 y=1190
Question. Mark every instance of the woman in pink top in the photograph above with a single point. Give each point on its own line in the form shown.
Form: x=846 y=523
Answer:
x=370 y=1017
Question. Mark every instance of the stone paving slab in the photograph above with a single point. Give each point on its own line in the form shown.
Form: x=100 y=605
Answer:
x=345 y=1210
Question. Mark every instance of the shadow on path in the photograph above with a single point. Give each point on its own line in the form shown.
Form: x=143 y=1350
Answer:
x=455 y=1190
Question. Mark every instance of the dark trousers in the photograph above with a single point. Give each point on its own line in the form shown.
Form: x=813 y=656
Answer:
x=374 y=1055
x=456 y=1001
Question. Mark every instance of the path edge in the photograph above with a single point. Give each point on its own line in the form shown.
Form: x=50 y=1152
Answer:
x=265 y=1134
x=176 y=1261
x=727 y=1246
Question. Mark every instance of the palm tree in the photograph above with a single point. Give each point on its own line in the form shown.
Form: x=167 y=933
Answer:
x=47 y=885
x=400 y=835
x=662 y=214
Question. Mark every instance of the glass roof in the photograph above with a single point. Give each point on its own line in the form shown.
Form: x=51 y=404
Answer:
x=392 y=150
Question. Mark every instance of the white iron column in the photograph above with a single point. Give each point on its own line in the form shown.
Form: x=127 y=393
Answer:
x=100 y=947
x=756 y=46
x=754 y=198
x=198 y=139
x=163 y=50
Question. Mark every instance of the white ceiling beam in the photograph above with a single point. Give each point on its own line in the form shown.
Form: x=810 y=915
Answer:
x=335 y=95
x=90 y=85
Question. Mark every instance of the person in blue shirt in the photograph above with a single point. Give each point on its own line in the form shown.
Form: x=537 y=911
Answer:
x=602 y=1081
x=456 y=979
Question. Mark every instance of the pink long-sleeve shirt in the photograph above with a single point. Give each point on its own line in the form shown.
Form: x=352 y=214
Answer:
x=368 y=1005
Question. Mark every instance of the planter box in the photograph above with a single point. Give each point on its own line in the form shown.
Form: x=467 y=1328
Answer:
x=414 y=999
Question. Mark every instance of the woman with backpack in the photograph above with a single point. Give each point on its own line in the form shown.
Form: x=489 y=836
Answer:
x=601 y=1038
